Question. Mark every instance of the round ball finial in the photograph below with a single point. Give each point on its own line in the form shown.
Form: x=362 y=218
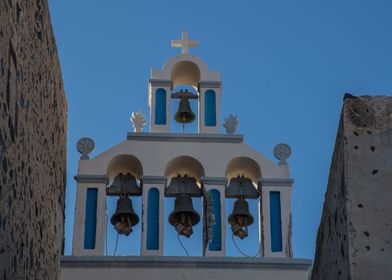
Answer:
x=85 y=146
x=282 y=152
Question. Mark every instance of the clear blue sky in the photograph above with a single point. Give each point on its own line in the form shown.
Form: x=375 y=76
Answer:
x=285 y=66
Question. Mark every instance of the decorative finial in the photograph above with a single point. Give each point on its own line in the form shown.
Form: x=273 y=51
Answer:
x=138 y=121
x=282 y=152
x=230 y=124
x=185 y=43
x=85 y=146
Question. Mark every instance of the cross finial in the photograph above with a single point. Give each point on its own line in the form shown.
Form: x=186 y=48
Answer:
x=185 y=43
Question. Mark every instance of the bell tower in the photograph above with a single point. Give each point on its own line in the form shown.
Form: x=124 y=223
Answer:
x=138 y=201
x=185 y=69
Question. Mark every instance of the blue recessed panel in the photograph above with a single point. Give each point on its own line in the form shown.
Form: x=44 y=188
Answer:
x=210 y=108
x=160 y=106
x=215 y=243
x=276 y=222
x=153 y=219
x=90 y=225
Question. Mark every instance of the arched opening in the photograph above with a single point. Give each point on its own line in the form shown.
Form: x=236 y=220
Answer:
x=124 y=164
x=250 y=169
x=184 y=165
x=244 y=166
x=185 y=72
x=174 y=106
x=122 y=245
x=174 y=243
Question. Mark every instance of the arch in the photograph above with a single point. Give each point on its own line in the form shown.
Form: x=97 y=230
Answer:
x=185 y=72
x=124 y=164
x=184 y=165
x=210 y=108
x=244 y=166
x=160 y=106
x=166 y=72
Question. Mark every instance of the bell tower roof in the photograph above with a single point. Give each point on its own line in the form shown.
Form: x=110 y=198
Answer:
x=185 y=67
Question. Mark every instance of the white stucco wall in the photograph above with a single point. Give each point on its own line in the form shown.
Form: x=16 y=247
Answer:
x=180 y=268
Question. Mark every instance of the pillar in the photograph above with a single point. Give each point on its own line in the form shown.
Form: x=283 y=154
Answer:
x=217 y=246
x=90 y=216
x=156 y=87
x=204 y=125
x=276 y=217
x=153 y=215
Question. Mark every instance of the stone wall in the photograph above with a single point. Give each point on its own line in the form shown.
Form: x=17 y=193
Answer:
x=354 y=240
x=32 y=143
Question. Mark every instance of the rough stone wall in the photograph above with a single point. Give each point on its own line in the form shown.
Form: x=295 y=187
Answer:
x=354 y=240
x=32 y=143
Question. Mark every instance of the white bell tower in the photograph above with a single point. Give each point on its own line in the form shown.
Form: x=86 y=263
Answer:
x=209 y=180
x=185 y=69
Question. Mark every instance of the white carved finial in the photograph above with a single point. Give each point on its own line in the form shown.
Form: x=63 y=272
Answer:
x=230 y=124
x=282 y=152
x=185 y=43
x=85 y=146
x=138 y=121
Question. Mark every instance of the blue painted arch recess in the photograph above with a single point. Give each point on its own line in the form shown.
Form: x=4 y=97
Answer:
x=276 y=222
x=160 y=106
x=210 y=108
x=90 y=224
x=215 y=243
x=153 y=219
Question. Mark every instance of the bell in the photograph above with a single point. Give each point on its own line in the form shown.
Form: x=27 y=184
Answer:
x=184 y=216
x=124 y=217
x=240 y=219
x=184 y=113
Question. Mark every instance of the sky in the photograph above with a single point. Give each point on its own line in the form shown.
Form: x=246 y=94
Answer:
x=285 y=66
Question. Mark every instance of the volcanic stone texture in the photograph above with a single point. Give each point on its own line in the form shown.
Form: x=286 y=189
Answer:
x=354 y=240
x=32 y=143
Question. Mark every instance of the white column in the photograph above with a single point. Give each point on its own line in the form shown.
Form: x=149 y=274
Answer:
x=153 y=86
x=84 y=183
x=284 y=187
x=159 y=183
x=218 y=184
x=203 y=87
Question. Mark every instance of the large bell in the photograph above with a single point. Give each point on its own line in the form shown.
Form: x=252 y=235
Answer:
x=184 y=113
x=124 y=218
x=240 y=218
x=184 y=216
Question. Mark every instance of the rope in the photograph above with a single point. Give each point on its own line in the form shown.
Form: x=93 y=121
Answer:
x=182 y=245
x=242 y=253
x=115 y=248
x=106 y=235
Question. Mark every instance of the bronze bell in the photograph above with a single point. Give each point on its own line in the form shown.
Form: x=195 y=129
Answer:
x=240 y=219
x=184 y=113
x=184 y=216
x=124 y=217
